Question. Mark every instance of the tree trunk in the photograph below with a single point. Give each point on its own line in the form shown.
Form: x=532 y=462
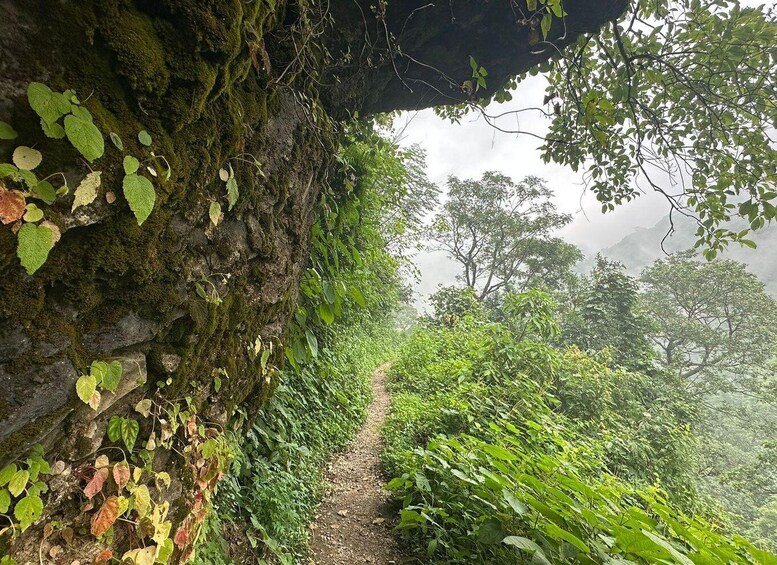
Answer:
x=259 y=86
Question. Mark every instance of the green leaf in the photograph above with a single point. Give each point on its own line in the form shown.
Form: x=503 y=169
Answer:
x=131 y=165
x=54 y=131
x=357 y=296
x=34 y=244
x=114 y=428
x=49 y=105
x=545 y=24
x=232 y=192
x=312 y=343
x=85 y=387
x=6 y=131
x=33 y=213
x=116 y=140
x=491 y=532
x=5 y=500
x=326 y=313
x=45 y=191
x=140 y=195
x=144 y=138
x=18 y=482
x=6 y=473
x=521 y=543
x=85 y=137
x=558 y=533
x=27 y=510
x=129 y=432
x=112 y=376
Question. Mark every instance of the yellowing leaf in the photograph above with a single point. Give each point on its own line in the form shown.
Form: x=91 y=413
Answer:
x=86 y=192
x=140 y=195
x=215 y=213
x=232 y=192
x=116 y=140
x=105 y=517
x=101 y=461
x=143 y=407
x=26 y=158
x=142 y=500
x=144 y=556
x=94 y=402
x=85 y=387
x=121 y=474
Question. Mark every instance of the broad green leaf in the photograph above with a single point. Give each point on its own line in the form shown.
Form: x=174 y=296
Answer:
x=5 y=500
x=6 y=473
x=86 y=385
x=54 y=131
x=114 y=428
x=131 y=164
x=129 y=432
x=85 y=137
x=26 y=158
x=45 y=191
x=33 y=213
x=18 y=482
x=144 y=138
x=521 y=543
x=312 y=342
x=27 y=510
x=49 y=105
x=491 y=532
x=559 y=533
x=326 y=313
x=86 y=191
x=140 y=195
x=34 y=244
x=112 y=376
x=6 y=131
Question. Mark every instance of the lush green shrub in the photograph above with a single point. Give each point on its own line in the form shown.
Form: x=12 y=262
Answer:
x=530 y=454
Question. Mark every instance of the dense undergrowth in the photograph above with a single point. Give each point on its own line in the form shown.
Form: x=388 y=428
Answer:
x=508 y=450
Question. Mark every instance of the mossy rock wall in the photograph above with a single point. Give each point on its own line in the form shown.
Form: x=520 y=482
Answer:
x=256 y=85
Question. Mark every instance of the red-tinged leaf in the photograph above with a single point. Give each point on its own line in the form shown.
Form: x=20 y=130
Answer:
x=181 y=537
x=12 y=205
x=103 y=557
x=105 y=517
x=121 y=474
x=97 y=482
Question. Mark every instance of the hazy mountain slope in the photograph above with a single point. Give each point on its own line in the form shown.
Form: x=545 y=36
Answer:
x=643 y=246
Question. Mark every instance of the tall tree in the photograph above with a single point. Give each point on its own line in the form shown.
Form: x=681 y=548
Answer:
x=715 y=326
x=499 y=231
x=605 y=313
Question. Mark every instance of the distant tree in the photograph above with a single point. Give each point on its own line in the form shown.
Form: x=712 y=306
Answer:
x=715 y=326
x=452 y=303
x=499 y=231
x=605 y=314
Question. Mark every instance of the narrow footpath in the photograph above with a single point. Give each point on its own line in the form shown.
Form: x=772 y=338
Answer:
x=353 y=524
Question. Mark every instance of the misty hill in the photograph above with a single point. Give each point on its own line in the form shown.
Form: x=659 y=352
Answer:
x=640 y=248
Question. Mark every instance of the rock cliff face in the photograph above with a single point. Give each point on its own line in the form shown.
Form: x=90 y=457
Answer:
x=259 y=86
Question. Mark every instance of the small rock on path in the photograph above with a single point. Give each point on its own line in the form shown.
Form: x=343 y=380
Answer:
x=353 y=524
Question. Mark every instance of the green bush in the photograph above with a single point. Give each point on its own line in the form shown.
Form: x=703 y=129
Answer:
x=509 y=451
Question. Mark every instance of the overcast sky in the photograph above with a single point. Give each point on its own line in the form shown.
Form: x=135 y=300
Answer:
x=469 y=149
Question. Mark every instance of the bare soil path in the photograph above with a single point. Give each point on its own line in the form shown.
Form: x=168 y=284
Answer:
x=354 y=522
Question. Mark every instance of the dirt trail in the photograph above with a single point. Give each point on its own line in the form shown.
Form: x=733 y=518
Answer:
x=353 y=524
